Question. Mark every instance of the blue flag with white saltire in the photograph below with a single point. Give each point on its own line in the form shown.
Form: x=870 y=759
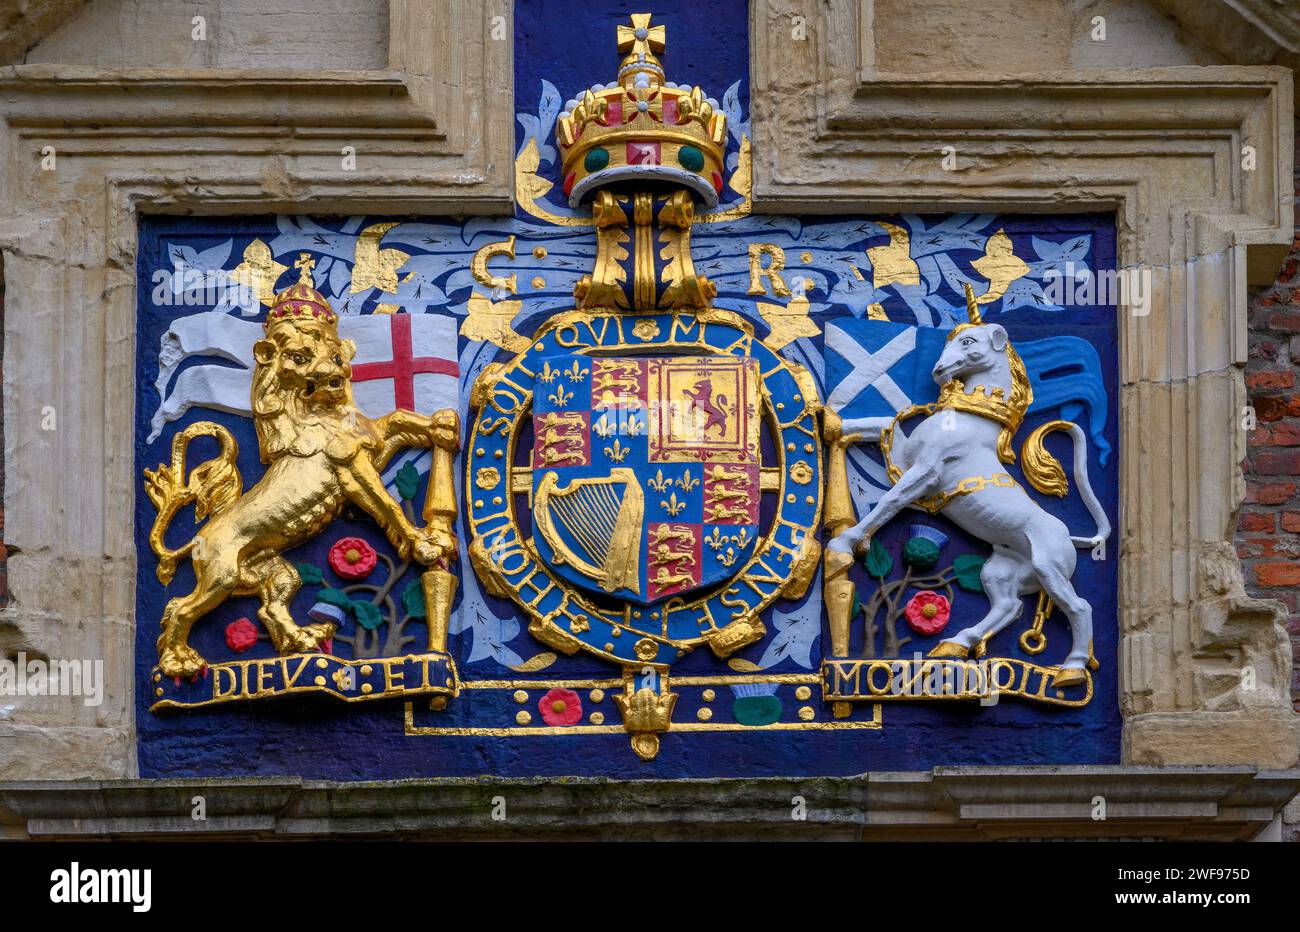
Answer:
x=876 y=368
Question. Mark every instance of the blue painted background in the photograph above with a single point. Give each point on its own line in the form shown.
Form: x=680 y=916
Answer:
x=707 y=44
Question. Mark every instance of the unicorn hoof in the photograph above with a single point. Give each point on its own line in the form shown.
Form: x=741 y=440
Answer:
x=1068 y=676
x=948 y=649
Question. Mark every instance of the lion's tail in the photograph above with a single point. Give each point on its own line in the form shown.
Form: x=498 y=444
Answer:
x=1045 y=473
x=213 y=486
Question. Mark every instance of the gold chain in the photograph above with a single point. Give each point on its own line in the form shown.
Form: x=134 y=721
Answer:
x=936 y=503
x=1032 y=640
x=887 y=436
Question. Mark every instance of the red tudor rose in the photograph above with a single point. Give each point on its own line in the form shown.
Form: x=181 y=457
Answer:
x=241 y=634
x=928 y=612
x=352 y=558
x=560 y=707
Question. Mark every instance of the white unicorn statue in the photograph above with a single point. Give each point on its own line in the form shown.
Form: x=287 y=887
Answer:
x=953 y=462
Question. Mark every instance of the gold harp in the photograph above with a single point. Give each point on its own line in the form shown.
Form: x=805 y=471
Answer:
x=604 y=525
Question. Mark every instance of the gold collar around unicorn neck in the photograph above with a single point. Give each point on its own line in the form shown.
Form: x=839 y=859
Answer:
x=981 y=401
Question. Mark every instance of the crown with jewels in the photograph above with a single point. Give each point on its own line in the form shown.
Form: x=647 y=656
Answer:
x=641 y=127
x=300 y=303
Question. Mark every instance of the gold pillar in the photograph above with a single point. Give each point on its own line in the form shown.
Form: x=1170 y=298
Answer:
x=837 y=588
x=439 y=583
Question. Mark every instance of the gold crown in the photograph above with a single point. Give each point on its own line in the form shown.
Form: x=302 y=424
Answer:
x=301 y=303
x=641 y=127
x=1009 y=412
x=979 y=400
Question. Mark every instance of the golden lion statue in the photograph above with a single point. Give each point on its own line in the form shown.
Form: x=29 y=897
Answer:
x=321 y=454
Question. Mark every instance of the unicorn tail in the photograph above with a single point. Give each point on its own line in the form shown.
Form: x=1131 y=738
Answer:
x=1045 y=473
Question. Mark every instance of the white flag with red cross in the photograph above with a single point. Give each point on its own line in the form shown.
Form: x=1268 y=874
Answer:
x=404 y=361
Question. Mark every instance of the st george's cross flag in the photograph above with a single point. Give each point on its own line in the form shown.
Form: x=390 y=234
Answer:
x=876 y=368
x=403 y=360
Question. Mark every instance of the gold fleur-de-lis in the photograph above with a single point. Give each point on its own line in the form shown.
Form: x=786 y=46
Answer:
x=686 y=483
x=575 y=372
x=715 y=540
x=741 y=539
x=560 y=398
x=603 y=427
x=728 y=556
x=661 y=485
x=635 y=426
x=547 y=374
x=617 y=452
x=673 y=506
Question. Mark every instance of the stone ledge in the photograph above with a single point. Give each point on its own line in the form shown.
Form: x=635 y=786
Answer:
x=959 y=803
x=1259 y=737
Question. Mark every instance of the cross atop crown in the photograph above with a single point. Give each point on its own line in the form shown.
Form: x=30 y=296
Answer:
x=304 y=264
x=641 y=42
x=641 y=38
x=301 y=303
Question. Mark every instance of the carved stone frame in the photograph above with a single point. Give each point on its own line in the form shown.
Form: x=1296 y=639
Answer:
x=1163 y=149
x=432 y=134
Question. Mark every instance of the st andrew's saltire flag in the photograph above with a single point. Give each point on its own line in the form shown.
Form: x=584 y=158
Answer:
x=876 y=368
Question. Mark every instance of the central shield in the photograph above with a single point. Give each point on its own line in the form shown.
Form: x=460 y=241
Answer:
x=646 y=471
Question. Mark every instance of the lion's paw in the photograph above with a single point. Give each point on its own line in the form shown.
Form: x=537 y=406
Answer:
x=444 y=429
x=183 y=661
x=434 y=546
x=309 y=638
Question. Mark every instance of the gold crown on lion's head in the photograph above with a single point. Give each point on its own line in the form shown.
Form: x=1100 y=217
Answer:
x=642 y=127
x=301 y=303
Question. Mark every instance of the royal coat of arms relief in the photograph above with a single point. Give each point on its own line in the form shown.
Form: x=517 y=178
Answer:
x=636 y=465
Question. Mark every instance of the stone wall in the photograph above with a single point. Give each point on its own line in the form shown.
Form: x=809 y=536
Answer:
x=1268 y=528
x=4 y=553
x=919 y=38
x=333 y=35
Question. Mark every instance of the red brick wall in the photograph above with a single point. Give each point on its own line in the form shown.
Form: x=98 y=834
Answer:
x=1268 y=530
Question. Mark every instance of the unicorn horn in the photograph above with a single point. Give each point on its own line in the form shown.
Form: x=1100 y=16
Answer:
x=972 y=311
